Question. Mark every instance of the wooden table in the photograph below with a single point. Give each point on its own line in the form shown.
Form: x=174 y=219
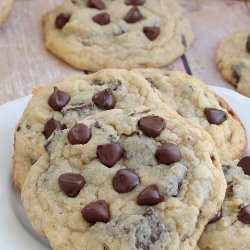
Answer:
x=25 y=64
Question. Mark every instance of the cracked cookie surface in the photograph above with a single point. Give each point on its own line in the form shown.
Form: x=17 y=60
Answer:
x=233 y=60
x=230 y=228
x=142 y=180
x=92 y=35
x=193 y=99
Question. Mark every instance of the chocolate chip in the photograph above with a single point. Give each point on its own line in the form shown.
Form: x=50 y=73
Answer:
x=71 y=184
x=134 y=2
x=51 y=126
x=150 y=196
x=18 y=128
x=61 y=20
x=134 y=15
x=125 y=180
x=104 y=99
x=168 y=153
x=109 y=154
x=58 y=99
x=96 y=4
x=236 y=73
x=244 y=163
x=151 y=32
x=79 y=134
x=248 y=44
x=96 y=212
x=215 y=116
x=244 y=215
x=151 y=125
x=216 y=217
x=102 y=18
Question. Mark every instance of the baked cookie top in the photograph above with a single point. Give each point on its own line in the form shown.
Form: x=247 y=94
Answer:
x=5 y=9
x=125 y=179
x=230 y=228
x=233 y=60
x=194 y=100
x=67 y=101
x=95 y=34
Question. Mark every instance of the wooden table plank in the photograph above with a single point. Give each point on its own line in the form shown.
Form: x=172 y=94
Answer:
x=212 y=20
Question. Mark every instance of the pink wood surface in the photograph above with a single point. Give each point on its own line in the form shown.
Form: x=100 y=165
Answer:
x=25 y=64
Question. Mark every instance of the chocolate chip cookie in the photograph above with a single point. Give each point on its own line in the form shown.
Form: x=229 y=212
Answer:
x=96 y=34
x=194 y=100
x=5 y=9
x=230 y=228
x=63 y=103
x=125 y=179
x=233 y=60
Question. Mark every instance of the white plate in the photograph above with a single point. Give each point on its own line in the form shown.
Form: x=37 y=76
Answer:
x=15 y=231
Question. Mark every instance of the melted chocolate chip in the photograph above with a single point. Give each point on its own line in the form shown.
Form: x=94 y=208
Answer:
x=96 y=212
x=79 y=134
x=183 y=41
x=104 y=99
x=216 y=217
x=71 y=184
x=248 y=44
x=51 y=126
x=18 y=128
x=134 y=15
x=134 y=2
x=109 y=154
x=151 y=32
x=215 y=116
x=125 y=180
x=230 y=189
x=61 y=20
x=244 y=163
x=244 y=215
x=151 y=125
x=168 y=153
x=78 y=107
x=144 y=239
x=150 y=196
x=58 y=99
x=102 y=18
x=96 y=4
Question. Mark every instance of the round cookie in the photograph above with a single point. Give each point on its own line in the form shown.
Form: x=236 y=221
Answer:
x=5 y=9
x=193 y=99
x=140 y=179
x=230 y=228
x=233 y=60
x=94 y=34
x=73 y=99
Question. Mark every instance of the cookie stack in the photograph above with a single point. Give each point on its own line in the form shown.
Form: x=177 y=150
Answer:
x=105 y=161
x=133 y=158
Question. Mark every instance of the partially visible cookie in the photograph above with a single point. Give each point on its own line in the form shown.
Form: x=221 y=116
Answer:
x=5 y=9
x=67 y=101
x=230 y=228
x=233 y=60
x=96 y=34
x=125 y=179
x=194 y=100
